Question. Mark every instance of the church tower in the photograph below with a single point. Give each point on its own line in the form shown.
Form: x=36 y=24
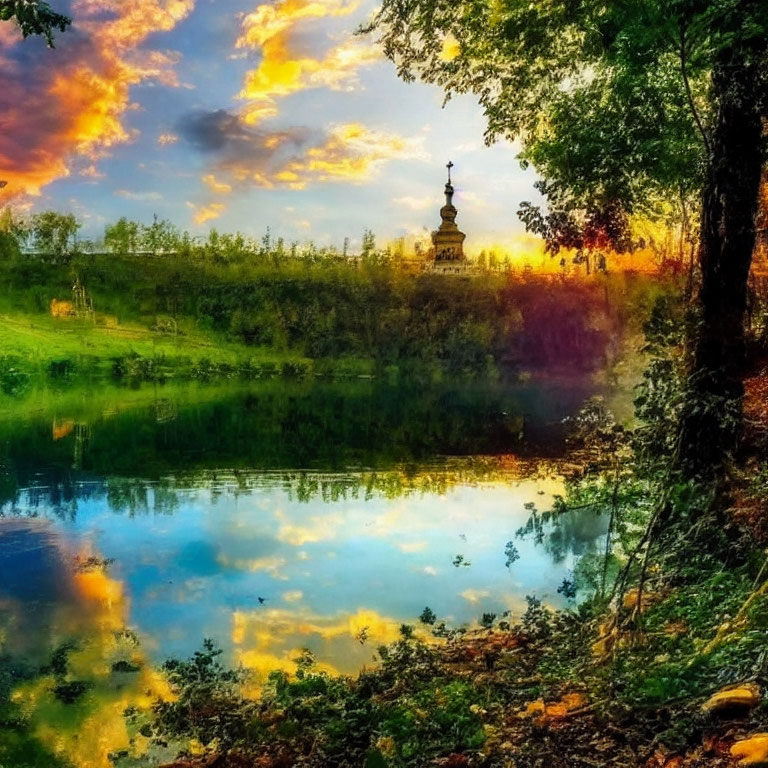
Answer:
x=447 y=240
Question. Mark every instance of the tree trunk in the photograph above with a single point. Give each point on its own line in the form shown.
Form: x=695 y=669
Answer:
x=711 y=419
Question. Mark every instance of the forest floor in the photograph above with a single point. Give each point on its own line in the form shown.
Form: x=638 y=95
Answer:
x=512 y=723
x=750 y=503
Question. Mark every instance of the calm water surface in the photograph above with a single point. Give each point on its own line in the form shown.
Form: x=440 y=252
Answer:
x=269 y=519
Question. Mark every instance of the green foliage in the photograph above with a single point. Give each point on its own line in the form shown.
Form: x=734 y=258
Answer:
x=536 y=621
x=511 y=552
x=241 y=299
x=487 y=620
x=368 y=249
x=669 y=663
x=70 y=691
x=136 y=368
x=567 y=589
x=625 y=473
x=126 y=238
x=414 y=708
x=123 y=237
x=321 y=718
x=428 y=616
x=611 y=103
x=655 y=664
x=54 y=235
x=9 y=247
x=374 y=759
x=203 y=687
x=654 y=108
x=34 y=17
x=432 y=721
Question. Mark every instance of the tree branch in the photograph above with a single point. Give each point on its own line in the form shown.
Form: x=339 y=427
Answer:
x=34 y=17
x=688 y=92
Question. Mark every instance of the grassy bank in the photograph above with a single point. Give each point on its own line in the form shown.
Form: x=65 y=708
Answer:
x=38 y=350
x=144 y=317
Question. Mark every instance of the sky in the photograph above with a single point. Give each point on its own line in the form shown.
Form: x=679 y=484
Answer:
x=242 y=114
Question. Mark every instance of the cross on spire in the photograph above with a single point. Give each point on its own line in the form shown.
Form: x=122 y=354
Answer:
x=449 y=166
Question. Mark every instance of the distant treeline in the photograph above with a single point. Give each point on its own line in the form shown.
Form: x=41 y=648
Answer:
x=54 y=237
x=322 y=305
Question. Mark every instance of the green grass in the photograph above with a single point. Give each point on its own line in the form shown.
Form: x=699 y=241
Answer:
x=36 y=350
x=40 y=339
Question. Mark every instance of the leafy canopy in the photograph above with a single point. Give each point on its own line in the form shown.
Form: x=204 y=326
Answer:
x=610 y=100
x=34 y=17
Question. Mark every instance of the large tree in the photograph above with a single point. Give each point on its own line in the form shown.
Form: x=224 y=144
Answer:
x=629 y=103
x=34 y=17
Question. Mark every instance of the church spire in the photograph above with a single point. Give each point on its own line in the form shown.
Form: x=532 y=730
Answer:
x=448 y=240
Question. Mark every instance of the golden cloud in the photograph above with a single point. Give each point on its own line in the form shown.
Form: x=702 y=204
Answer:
x=285 y=67
x=205 y=213
x=475 y=595
x=272 y=565
x=220 y=188
x=351 y=152
x=73 y=102
x=318 y=528
x=270 y=20
x=244 y=154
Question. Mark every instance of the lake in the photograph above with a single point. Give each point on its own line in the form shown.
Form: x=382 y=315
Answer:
x=269 y=518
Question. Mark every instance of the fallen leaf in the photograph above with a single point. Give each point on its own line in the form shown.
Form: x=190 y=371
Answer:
x=752 y=751
x=735 y=697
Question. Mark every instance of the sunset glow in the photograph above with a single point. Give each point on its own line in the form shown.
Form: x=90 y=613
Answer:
x=242 y=115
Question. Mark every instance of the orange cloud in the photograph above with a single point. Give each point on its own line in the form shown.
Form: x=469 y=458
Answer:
x=285 y=68
x=72 y=101
x=205 y=213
